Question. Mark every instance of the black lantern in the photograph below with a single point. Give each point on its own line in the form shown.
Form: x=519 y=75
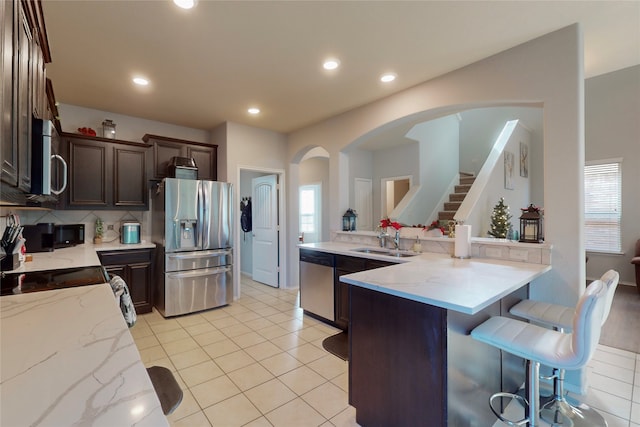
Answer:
x=349 y=220
x=531 y=225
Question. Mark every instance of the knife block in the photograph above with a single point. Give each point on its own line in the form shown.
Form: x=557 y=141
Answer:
x=10 y=262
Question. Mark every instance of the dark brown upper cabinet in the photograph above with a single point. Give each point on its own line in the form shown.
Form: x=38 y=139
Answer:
x=24 y=51
x=164 y=148
x=105 y=174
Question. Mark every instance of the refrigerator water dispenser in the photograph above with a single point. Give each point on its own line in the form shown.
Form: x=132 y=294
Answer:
x=186 y=233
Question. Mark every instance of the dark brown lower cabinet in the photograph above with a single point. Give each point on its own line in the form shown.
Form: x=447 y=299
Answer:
x=415 y=364
x=346 y=265
x=135 y=266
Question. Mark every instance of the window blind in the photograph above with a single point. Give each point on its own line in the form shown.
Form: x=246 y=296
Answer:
x=603 y=206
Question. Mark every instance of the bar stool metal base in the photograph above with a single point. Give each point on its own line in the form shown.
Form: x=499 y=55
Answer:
x=561 y=413
x=498 y=414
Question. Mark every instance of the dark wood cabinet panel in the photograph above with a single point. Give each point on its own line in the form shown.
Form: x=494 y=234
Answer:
x=164 y=148
x=393 y=387
x=135 y=266
x=130 y=182
x=346 y=265
x=24 y=51
x=163 y=151
x=23 y=98
x=9 y=172
x=206 y=161
x=87 y=174
x=140 y=276
x=106 y=175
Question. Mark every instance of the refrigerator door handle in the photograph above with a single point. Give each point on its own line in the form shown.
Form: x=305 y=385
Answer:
x=207 y=254
x=198 y=273
x=206 y=220
x=176 y=233
x=201 y=218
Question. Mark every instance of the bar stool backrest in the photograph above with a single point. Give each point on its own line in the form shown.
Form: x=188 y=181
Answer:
x=610 y=280
x=587 y=323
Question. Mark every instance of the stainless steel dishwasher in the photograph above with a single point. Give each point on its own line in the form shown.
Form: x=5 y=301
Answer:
x=316 y=283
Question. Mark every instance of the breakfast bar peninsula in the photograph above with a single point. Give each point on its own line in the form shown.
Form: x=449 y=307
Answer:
x=411 y=359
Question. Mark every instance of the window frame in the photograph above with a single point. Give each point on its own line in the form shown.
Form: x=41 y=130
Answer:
x=612 y=250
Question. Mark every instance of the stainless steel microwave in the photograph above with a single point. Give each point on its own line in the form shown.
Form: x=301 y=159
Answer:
x=47 y=166
x=66 y=235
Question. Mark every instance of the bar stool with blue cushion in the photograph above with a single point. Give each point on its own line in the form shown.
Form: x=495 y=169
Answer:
x=560 y=317
x=539 y=345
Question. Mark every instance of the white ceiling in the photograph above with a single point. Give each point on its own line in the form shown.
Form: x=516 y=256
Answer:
x=209 y=64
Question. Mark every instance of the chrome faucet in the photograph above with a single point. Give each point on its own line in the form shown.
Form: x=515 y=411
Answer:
x=384 y=236
x=396 y=240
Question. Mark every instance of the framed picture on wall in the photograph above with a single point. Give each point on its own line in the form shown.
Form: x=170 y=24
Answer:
x=524 y=160
x=509 y=164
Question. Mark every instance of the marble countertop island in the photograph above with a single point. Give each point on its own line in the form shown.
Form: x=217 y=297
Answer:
x=463 y=285
x=68 y=359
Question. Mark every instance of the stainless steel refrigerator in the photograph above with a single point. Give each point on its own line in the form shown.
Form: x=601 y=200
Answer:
x=192 y=229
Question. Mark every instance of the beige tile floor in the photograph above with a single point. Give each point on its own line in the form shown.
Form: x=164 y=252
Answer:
x=260 y=362
x=256 y=362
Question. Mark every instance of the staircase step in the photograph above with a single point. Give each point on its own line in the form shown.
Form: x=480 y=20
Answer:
x=462 y=188
x=446 y=215
x=453 y=197
x=467 y=180
x=452 y=206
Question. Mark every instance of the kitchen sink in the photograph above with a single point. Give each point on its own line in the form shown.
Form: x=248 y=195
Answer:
x=372 y=251
x=401 y=254
x=386 y=252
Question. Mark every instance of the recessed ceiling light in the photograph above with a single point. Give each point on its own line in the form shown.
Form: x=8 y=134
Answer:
x=185 y=4
x=331 y=64
x=140 y=81
x=388 y=77
x=253 y=110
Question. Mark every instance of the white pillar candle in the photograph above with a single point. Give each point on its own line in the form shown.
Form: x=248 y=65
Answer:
x=462 y=245
x=529 y=232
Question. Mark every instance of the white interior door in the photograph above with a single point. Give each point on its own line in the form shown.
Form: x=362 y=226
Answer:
x=264 y=216
x=363 y=190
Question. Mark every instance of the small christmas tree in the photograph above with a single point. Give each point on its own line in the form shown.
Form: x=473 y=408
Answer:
x=500 y=224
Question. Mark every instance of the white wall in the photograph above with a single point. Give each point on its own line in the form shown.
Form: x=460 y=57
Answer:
x=480 y=127
x=613 y=130
x=546 y=71
x=402 y=160
x=128 y=128
x=360 y=166
x=251 y=149
x=439 y=164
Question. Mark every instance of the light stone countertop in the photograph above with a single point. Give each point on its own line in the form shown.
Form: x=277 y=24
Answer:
x=72 y=361
x=463 y=285
x=84 y=255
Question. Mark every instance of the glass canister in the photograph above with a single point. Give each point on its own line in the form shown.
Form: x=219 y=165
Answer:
x=109 y=129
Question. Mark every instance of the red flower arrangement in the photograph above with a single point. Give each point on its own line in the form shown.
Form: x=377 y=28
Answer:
x=386 y=222
x=433 y=226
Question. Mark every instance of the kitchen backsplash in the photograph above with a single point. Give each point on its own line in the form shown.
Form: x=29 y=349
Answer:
x=481 y=247
x=88 y=218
